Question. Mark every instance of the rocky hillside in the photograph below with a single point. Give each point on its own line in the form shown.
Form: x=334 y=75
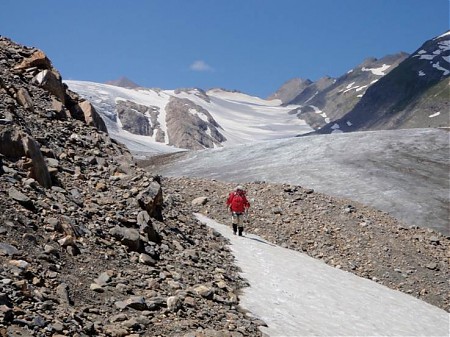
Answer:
x=290 y=89
x=414 y=94
x=342 y=233
x=330 y=99
x=91 y=245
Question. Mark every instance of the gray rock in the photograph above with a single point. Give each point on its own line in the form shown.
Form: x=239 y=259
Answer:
x=128 y=237
x=200 y=201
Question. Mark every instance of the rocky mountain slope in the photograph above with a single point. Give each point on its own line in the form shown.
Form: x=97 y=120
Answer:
x=330 y=99
x=90 y=245
x=414 y=94
x=290 y=89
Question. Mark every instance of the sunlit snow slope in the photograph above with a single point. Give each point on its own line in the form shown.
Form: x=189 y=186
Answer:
x=296 y=295
x=241 y=118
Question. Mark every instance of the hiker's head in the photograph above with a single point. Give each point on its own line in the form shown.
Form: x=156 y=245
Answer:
x=239 y=189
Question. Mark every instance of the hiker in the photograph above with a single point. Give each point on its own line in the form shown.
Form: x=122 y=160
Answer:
x=238 y=204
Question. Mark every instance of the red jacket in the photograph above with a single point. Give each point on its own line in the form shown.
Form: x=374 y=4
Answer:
x=237 y=202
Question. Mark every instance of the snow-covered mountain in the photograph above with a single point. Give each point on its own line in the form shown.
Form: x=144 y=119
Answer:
x=329 y=99
x=414 y=94
x=396 y=91
x=154 y=120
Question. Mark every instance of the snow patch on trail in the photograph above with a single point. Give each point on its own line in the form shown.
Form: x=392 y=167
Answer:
x=297 y=295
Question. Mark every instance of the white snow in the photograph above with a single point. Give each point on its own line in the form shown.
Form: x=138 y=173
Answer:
x=200 y=115
x=445 y=34
x=321 y=113
x=335 y=126
x=380 y=71
x=435 y=114
x=243 y=118
x=438 y=67
x=350 y=85
x=421 y=73
x=314 y=95
x=296 y=295
x=443 y=46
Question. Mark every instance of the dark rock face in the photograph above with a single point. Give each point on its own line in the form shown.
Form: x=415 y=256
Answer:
x=330 y=99
x=133 y=118
x=86 y=234
x=414 y=94
x=190 y=126
x=290 y=90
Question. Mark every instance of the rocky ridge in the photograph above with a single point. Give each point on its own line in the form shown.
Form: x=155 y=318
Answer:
x=89 y=243
x=342 y=233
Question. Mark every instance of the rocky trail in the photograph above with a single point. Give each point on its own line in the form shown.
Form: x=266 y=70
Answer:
x=342 y=233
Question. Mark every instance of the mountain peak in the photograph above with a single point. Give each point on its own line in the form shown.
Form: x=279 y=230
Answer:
x=290 y=89
x=123 y=82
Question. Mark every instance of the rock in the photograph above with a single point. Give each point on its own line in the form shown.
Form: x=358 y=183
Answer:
x=91 y=116
x=96 y=287
x=63 y=294
x=128 y=237
x=37 y=59
x=21 y=198
x=134 y=302
x=200 y=201
x=147 y=260
x=104 y=278
x=173 y=303
x=151 y=200
x=204 y=291
x=51 y=82
x=39 y=169
x=24 y=99
x=7 y=249
x=432 y=266
x=146 y=227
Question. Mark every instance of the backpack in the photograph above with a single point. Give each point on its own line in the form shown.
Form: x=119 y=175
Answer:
x=238 y=202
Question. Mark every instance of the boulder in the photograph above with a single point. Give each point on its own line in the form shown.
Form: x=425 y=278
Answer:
x=39 y=170
x=91 y=116
x=24 y=99
x=50 y=82
x=21 y=198
x=16 y=144
x=151 y=200
x=128 y=237
x=200 y=201
x=37 y=59
x=146 y=227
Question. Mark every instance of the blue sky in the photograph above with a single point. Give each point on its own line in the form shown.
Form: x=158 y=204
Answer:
x=249 y=45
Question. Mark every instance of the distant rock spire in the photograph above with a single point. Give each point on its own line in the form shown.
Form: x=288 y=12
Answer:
x=123 y=82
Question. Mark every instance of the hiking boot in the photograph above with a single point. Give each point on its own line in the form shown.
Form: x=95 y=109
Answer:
x=241 y=229
x=234 y=229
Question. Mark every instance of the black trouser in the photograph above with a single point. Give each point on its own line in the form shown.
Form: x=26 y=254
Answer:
x=237 y=219
x=236 y=228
